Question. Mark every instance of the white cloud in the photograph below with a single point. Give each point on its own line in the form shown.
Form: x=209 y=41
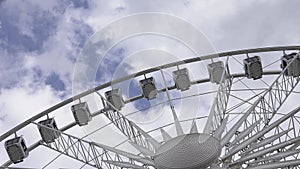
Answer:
x=20 y=103
x=11 y=68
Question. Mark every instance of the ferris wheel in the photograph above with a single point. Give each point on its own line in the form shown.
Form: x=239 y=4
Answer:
x=252 y=120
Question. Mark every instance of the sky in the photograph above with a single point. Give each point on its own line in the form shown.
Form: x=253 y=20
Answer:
x=41 y=42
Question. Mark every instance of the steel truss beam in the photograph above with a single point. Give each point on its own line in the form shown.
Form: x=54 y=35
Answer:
x=263 y=150
x=264 y=109
x=94 y=154
x=133 y=132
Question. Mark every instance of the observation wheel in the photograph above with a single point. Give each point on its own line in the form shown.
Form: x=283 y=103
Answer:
x=248 y=117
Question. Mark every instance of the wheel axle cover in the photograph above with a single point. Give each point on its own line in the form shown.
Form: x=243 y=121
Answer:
x=190 y=151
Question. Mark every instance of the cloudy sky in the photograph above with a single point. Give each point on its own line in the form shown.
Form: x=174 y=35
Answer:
x=40 y=41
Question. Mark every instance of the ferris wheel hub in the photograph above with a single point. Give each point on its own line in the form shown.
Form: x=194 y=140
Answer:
x=192 y=151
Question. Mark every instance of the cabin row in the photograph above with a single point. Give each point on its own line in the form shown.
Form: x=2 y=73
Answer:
x=16 y=147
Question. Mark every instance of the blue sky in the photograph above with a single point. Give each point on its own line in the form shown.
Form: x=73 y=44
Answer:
x=41 y=40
